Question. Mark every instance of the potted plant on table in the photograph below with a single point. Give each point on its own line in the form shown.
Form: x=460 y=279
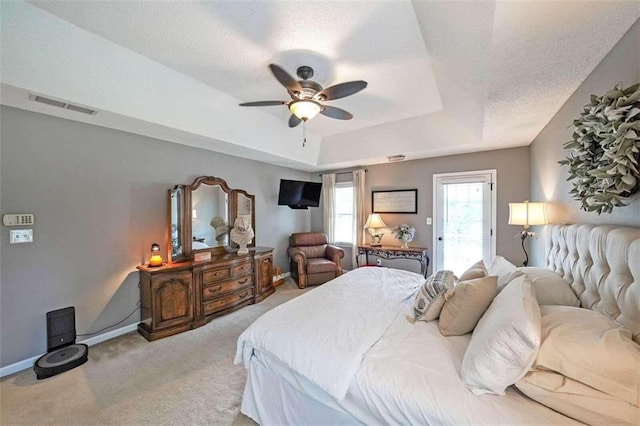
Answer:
x=404 y=233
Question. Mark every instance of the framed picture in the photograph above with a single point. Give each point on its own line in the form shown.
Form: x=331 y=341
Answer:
x=395 y=201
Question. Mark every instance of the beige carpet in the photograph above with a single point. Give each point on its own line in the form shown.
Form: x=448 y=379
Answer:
x=184 y=379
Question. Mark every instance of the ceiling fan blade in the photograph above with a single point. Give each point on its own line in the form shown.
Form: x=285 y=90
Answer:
x=263 y=103
x=285 y=79
x=294 y=121
x=341 y=90
x=338 y=113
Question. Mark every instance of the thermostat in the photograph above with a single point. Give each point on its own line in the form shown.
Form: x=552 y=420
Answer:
x=18 y=219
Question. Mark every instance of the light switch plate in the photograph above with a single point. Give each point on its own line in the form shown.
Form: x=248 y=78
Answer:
x=19 y=236
x=428 y=221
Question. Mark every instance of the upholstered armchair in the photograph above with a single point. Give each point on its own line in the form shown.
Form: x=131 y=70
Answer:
x=312 y=260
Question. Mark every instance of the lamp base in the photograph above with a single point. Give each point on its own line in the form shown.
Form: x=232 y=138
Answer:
x=376 y=239
x=523 y=236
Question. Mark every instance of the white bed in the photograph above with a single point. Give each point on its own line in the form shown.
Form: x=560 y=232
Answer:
x=345 y=354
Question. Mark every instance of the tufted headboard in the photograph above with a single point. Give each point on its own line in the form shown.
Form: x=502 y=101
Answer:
x=602 y=263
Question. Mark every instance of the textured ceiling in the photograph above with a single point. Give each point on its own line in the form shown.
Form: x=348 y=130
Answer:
x=444 y=76
x=229 y=44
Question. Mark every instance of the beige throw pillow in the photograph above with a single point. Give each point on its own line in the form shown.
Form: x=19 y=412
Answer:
x=577 y=400
x=477 y=270
x=591 y=348
x=464 y=308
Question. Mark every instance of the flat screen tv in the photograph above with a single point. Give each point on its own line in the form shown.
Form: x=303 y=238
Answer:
x=298 y=194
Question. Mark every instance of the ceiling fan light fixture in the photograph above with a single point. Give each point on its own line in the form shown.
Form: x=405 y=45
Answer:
x=305 y=109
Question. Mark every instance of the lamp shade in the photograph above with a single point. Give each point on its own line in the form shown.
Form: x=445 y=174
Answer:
x=304 y=109
x=527 y=214
x=374 y=221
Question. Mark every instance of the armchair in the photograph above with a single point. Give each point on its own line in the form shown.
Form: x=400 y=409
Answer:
x=312 y=260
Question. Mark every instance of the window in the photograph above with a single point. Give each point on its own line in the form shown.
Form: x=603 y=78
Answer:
x=344 y=213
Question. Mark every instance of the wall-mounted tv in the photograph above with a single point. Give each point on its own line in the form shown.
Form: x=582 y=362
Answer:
x=298 y=194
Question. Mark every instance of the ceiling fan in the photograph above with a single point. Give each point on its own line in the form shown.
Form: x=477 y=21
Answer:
x=307 y=96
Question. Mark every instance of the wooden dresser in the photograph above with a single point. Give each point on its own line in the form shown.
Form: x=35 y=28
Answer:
x=186 y=295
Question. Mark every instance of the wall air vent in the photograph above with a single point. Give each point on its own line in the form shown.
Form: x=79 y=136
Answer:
x=62 y=104
x=393 y=158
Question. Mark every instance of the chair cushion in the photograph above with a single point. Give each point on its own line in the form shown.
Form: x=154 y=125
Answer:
x=307 y=239
x=313 y=251
x=320 y=264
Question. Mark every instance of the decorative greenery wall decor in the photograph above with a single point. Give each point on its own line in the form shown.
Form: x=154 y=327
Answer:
x=604 y=155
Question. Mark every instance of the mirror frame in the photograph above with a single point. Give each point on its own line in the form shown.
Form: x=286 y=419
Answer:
x=186 y=219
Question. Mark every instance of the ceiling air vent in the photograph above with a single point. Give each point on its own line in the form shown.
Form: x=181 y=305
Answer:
x=394 y=158
x=62 y=104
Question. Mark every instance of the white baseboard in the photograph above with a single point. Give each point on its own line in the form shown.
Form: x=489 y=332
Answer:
x=28 y=363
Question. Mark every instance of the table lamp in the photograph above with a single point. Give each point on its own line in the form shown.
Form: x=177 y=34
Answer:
x=374 y=225
x=527 y=214
x=156 y=258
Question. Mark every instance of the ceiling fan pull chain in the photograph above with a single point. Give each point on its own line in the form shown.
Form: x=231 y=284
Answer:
x=304 y=133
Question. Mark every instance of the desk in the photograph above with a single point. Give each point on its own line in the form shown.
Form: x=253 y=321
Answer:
x=393 y=252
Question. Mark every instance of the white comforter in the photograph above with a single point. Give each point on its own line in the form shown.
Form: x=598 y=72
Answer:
x=328 y=349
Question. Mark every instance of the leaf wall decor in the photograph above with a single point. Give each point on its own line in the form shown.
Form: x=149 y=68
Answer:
x=604 y=153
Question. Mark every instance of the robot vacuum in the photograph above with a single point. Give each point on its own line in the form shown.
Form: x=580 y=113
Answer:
x=63 y=353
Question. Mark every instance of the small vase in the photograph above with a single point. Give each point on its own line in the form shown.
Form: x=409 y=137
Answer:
x=404 y=243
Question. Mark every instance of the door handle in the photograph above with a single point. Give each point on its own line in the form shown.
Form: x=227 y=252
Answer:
x=439 y=238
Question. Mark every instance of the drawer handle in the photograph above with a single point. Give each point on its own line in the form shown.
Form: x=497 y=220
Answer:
x=243 y=281
x=242 y=296
x=217 y=289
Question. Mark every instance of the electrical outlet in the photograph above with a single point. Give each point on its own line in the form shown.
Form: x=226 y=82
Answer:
x=19 y=236
x=428 y=221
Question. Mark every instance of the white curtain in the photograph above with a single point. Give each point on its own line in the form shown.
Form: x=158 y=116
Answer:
x=329 y=205
x=358 y=212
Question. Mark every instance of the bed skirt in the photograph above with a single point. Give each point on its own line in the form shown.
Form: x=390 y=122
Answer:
x=269 y=400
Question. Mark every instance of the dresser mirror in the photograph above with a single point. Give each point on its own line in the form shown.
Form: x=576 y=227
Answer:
x=243 y=206
x=176 y=200
x=202 y=215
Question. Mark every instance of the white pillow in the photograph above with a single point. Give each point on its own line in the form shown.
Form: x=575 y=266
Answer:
x=550 y=288
x=505 y=342
x=504 y=270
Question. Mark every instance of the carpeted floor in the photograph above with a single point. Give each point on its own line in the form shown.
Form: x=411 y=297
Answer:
x=186 y=379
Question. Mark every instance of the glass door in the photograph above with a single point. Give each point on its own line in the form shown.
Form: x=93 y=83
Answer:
x=464 y=219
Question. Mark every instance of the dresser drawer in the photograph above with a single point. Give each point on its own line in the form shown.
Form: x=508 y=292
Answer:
x=215 y=275
x=218 y=289
x=227 y=301
x=241 y=269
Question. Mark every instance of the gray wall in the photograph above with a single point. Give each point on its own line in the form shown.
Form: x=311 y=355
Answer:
x=512 y=167
x=548 y=179
x=99 y=197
